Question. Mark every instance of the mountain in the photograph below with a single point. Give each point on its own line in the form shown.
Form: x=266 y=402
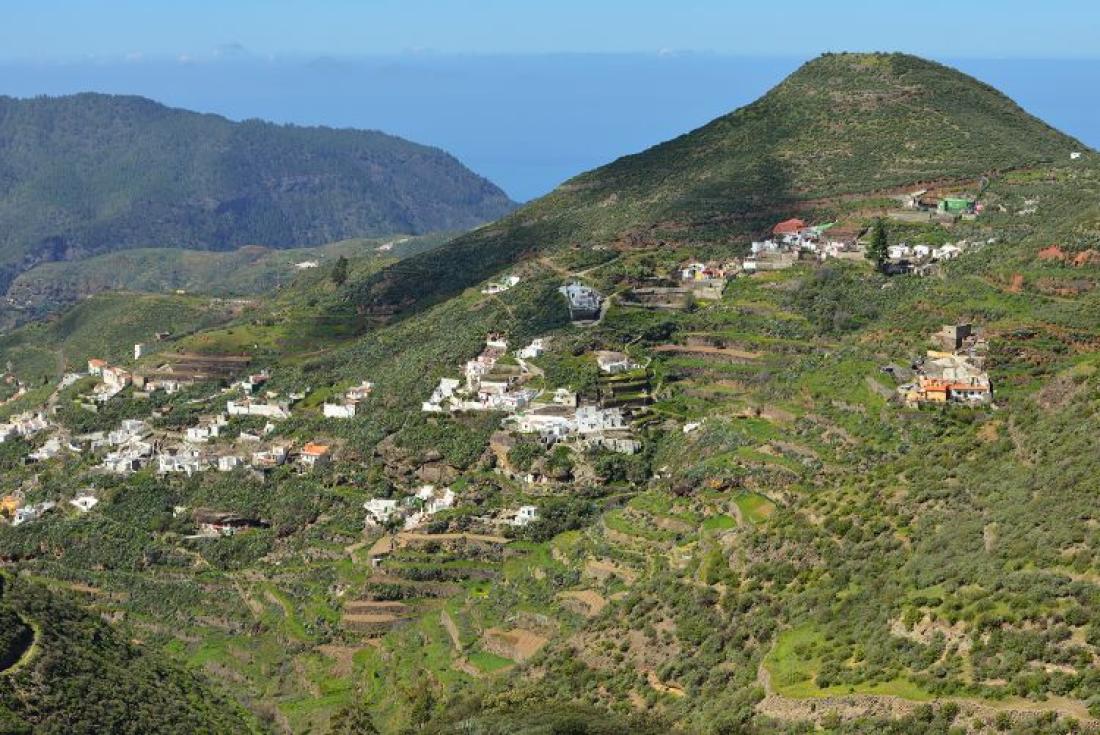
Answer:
x=841 y=125
x=765 y=537
x=90 y=173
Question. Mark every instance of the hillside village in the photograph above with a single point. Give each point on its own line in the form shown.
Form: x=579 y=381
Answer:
x=625 y=464
x=497 y=380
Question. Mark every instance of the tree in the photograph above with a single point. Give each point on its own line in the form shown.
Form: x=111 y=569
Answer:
x=877 y=250
x=339 y=273
x=353 y=719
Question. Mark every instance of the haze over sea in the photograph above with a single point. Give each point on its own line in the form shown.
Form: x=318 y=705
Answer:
x=527 y=122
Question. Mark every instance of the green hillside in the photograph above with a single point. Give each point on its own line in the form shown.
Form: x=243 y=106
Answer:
x=107 y=326
x=64 y=671
x=793 y=549
x=91 y=173
x=843 y=124
x=250 y=270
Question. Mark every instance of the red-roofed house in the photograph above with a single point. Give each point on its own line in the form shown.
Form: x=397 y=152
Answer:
x=789 y=227
x=314 y=454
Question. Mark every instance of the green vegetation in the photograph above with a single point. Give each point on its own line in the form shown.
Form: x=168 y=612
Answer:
x=78 y=676
x=107 y=326
x=247 y=271
x=877 y=248
x=841 y=124
x=805 y=537
x=90 y=173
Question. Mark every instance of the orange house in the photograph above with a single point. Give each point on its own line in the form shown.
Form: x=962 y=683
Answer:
x=789 y=227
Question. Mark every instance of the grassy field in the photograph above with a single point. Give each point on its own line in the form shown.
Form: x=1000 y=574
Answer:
x=793 y=665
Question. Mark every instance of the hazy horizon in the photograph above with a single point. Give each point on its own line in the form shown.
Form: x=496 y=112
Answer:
x=525 y=121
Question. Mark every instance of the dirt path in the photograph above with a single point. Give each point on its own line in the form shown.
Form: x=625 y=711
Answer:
x=596 y=267
x=855 y=706
x=452 y=630
x=704 y=350
x=592 y=602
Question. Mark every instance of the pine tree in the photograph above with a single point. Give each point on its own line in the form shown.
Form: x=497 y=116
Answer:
x=340 y=271
x=877 y=250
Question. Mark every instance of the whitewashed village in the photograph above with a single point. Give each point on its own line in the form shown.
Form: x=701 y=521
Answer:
x=501 y=379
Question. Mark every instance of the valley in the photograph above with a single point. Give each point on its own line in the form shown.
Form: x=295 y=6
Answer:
x=787 y=423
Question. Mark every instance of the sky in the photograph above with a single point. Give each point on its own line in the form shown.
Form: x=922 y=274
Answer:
x=52 y=29
x=527 y=93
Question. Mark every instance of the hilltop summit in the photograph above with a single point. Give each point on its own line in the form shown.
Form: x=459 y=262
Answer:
x=842 y=124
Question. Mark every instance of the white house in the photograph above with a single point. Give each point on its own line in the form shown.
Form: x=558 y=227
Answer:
x=921 y=251
x=500 y=286
x=314 y=455
x=129 y=457
x=510 y=401
x=525 y=515
x=565 y=397
x=947 y=252
x=139 y=351
x=434 y=499
x=25 y=425
x=116 y=377
x=897 y=252
x=248 y=407
x=551 y=426
x=533 y=350
x=186 y=461
x=443 y=392
x=269 y=458
x=592 y=419
x=692 y=271
x=84 y=503
x=129 y=430
x=766 y=246
x=613 y=362
x=228 y=463
x=49 y=450
x=95 y=367
x=206 y=430
x=380 y=510
x=32 y=512
x=339 y=410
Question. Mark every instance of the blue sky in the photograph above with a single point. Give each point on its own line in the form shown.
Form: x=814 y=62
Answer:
x=46 y=30
x=528 y=92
